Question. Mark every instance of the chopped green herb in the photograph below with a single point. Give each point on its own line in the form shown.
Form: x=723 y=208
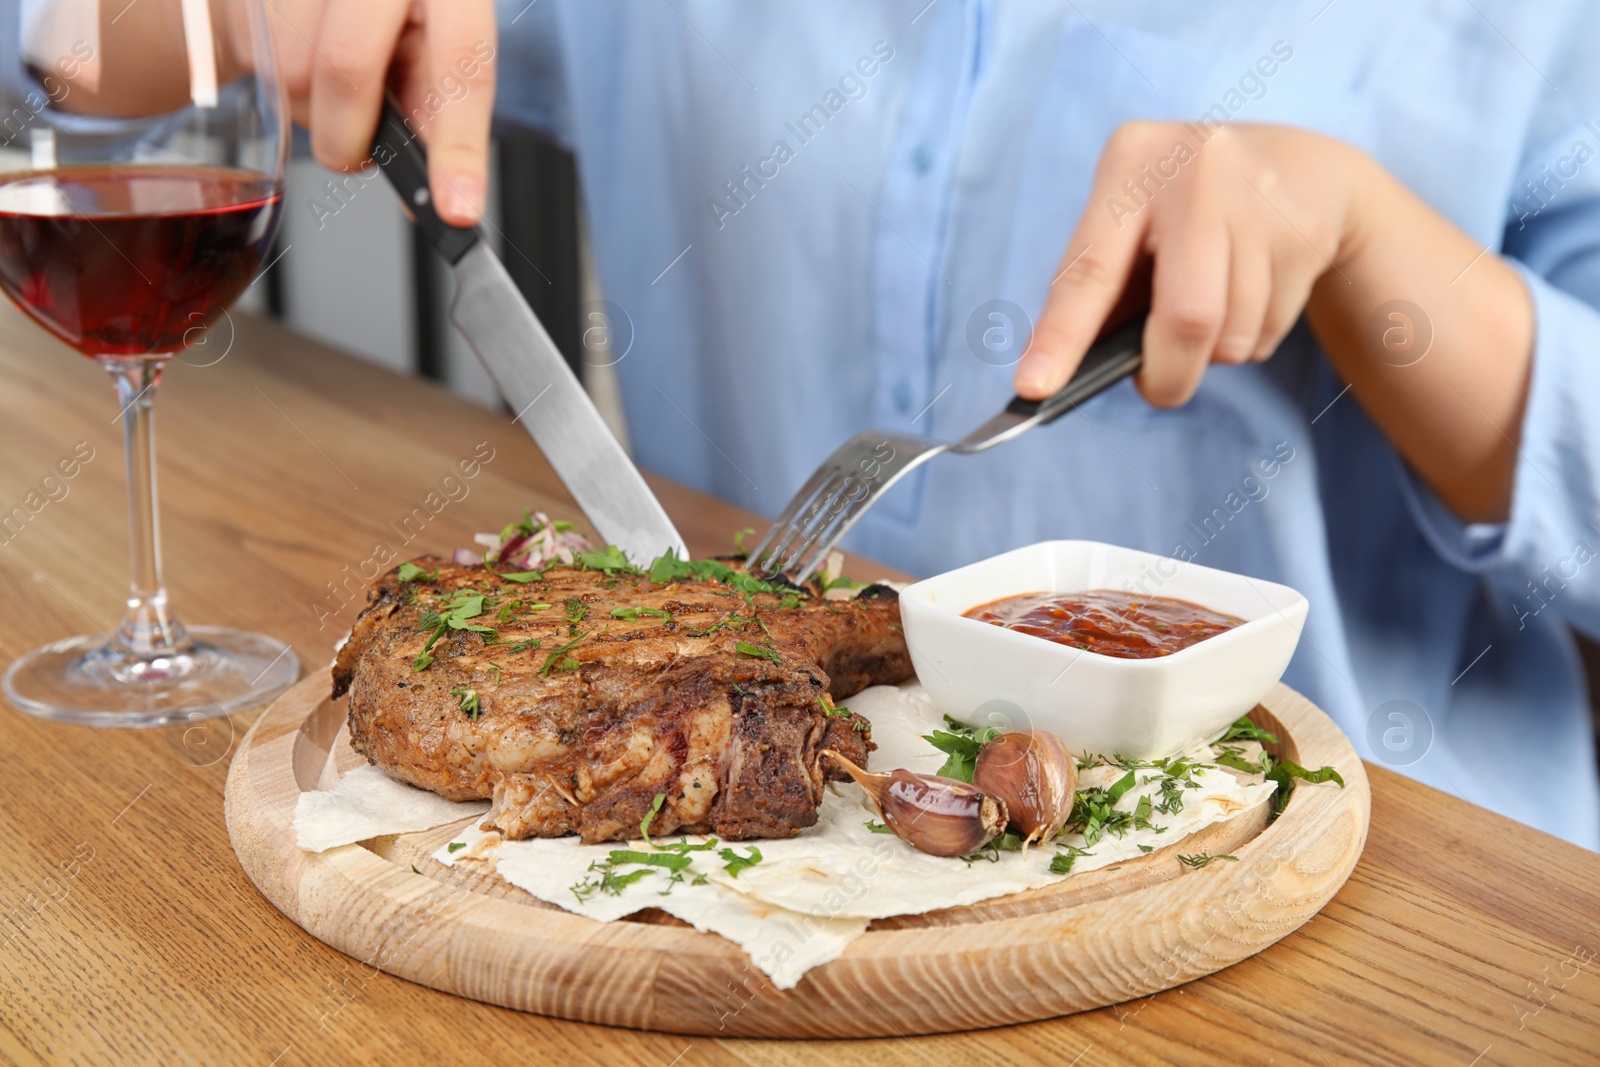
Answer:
x=1201 y=859
x=525 y=644
x=1061 y=862
x=738 y=541
x=1116 y=789
x=1007 y=842
x=414 y=869
x=630 y=614
x=410 y=572
x=468 y=701
x=1146 y=848
x=1245 y=730
x=1287 y=772
x=877 y=827
x=1232 y=756
x=456 y=846
x=737 y=863
x=960 y=744
x=1094 y=811
x=1141 y=814
x=550 y=660
x=669 y=568
x=745 y=648
x=732 y=622
x=650 y=816
x=609 y=561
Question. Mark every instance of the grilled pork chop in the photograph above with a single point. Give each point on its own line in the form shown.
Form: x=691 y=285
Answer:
x=575 y=699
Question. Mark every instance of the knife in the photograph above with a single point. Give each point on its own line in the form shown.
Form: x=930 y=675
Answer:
x=526 y=366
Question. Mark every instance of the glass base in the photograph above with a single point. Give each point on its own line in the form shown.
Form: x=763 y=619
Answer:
x=83 y=680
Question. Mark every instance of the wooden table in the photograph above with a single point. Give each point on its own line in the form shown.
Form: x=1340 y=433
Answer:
x=130 y=934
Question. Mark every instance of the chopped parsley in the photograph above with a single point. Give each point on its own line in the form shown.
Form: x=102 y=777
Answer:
x=525 y=644
x=1094 y=811
x=1232 y=756
x=834 y=711
x=736 y=862
x=456 y=846
x=631 y=614
x=960 y=744
x=1287 y=772
x=1245 y=730
x=550 y=660
x=1006 y=842
x=414 y=869
x=675 y=859
x=650 y=817
x=410 y=572
x=455 y=613
x=732 y=622
x=467 y=699
x=609 y=561
x=877 y=827
x=1061 y=862
x=745 y=648
x=668 y=568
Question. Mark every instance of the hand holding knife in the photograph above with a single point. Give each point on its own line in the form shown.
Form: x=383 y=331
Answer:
x=527 y=368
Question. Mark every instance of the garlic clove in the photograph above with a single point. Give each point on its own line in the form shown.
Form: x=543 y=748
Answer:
x=939 y=816
x=1036 y=777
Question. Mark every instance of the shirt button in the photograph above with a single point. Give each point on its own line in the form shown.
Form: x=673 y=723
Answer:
x=922 y=158
x=902 y=397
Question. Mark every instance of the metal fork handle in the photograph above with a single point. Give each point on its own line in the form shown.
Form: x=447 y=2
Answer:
x=1108 y=361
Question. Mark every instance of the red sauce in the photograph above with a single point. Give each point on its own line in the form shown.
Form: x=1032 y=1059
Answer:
x=1112 y=623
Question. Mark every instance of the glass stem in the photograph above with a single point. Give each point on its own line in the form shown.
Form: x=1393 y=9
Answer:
x=148 y=630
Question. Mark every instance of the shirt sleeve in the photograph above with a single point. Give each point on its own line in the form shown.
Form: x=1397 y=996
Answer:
x=1552 y=535
x=531 y=93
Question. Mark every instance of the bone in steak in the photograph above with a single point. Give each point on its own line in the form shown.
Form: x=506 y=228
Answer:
x=583 y=695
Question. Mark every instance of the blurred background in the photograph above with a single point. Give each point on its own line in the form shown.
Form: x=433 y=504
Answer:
x=349 y=269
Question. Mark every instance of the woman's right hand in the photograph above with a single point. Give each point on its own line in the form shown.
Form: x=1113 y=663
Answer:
x=438 y=56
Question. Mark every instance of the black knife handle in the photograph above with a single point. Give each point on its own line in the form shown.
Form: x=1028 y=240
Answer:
x=1108 y=361
x=401 y=157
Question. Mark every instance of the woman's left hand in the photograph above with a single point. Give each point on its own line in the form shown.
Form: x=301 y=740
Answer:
x=1244 y=231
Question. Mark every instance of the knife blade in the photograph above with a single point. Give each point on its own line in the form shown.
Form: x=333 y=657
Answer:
x=527 y=368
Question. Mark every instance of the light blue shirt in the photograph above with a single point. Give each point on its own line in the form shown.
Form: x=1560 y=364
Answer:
x=807 y=212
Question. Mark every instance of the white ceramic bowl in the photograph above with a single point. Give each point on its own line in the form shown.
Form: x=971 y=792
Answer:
x=986 y=675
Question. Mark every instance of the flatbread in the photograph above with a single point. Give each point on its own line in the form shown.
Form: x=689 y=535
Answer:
x=810 y=895
x=367 y=803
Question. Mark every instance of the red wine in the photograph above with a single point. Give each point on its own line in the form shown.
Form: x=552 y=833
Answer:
x=132 y=260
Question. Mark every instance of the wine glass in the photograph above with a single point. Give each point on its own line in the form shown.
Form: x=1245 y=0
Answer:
x=141 y=176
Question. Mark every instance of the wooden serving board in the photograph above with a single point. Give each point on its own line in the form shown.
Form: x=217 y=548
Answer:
x=1093 y=939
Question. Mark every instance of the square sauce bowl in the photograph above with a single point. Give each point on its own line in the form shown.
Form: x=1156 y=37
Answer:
x=986 y=675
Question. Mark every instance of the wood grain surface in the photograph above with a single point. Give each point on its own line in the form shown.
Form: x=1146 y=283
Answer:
x=131 y=935
x=1103 y=937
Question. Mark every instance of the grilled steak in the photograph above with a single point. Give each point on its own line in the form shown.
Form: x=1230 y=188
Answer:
x=574 y=699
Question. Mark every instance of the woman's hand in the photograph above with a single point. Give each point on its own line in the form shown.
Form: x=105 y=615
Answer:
x=1238 y=234
x=438 y=56
x=1239 y=227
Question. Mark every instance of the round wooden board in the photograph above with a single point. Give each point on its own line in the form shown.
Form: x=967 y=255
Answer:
x=1094 y=939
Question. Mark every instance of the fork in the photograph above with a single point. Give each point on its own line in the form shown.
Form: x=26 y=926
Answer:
x=863 y=468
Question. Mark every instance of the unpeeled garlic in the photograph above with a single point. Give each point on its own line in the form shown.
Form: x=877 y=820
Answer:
x=1036 y=777
x=939 y=816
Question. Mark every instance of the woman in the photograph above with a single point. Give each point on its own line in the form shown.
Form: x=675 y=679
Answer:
x=815 y=218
